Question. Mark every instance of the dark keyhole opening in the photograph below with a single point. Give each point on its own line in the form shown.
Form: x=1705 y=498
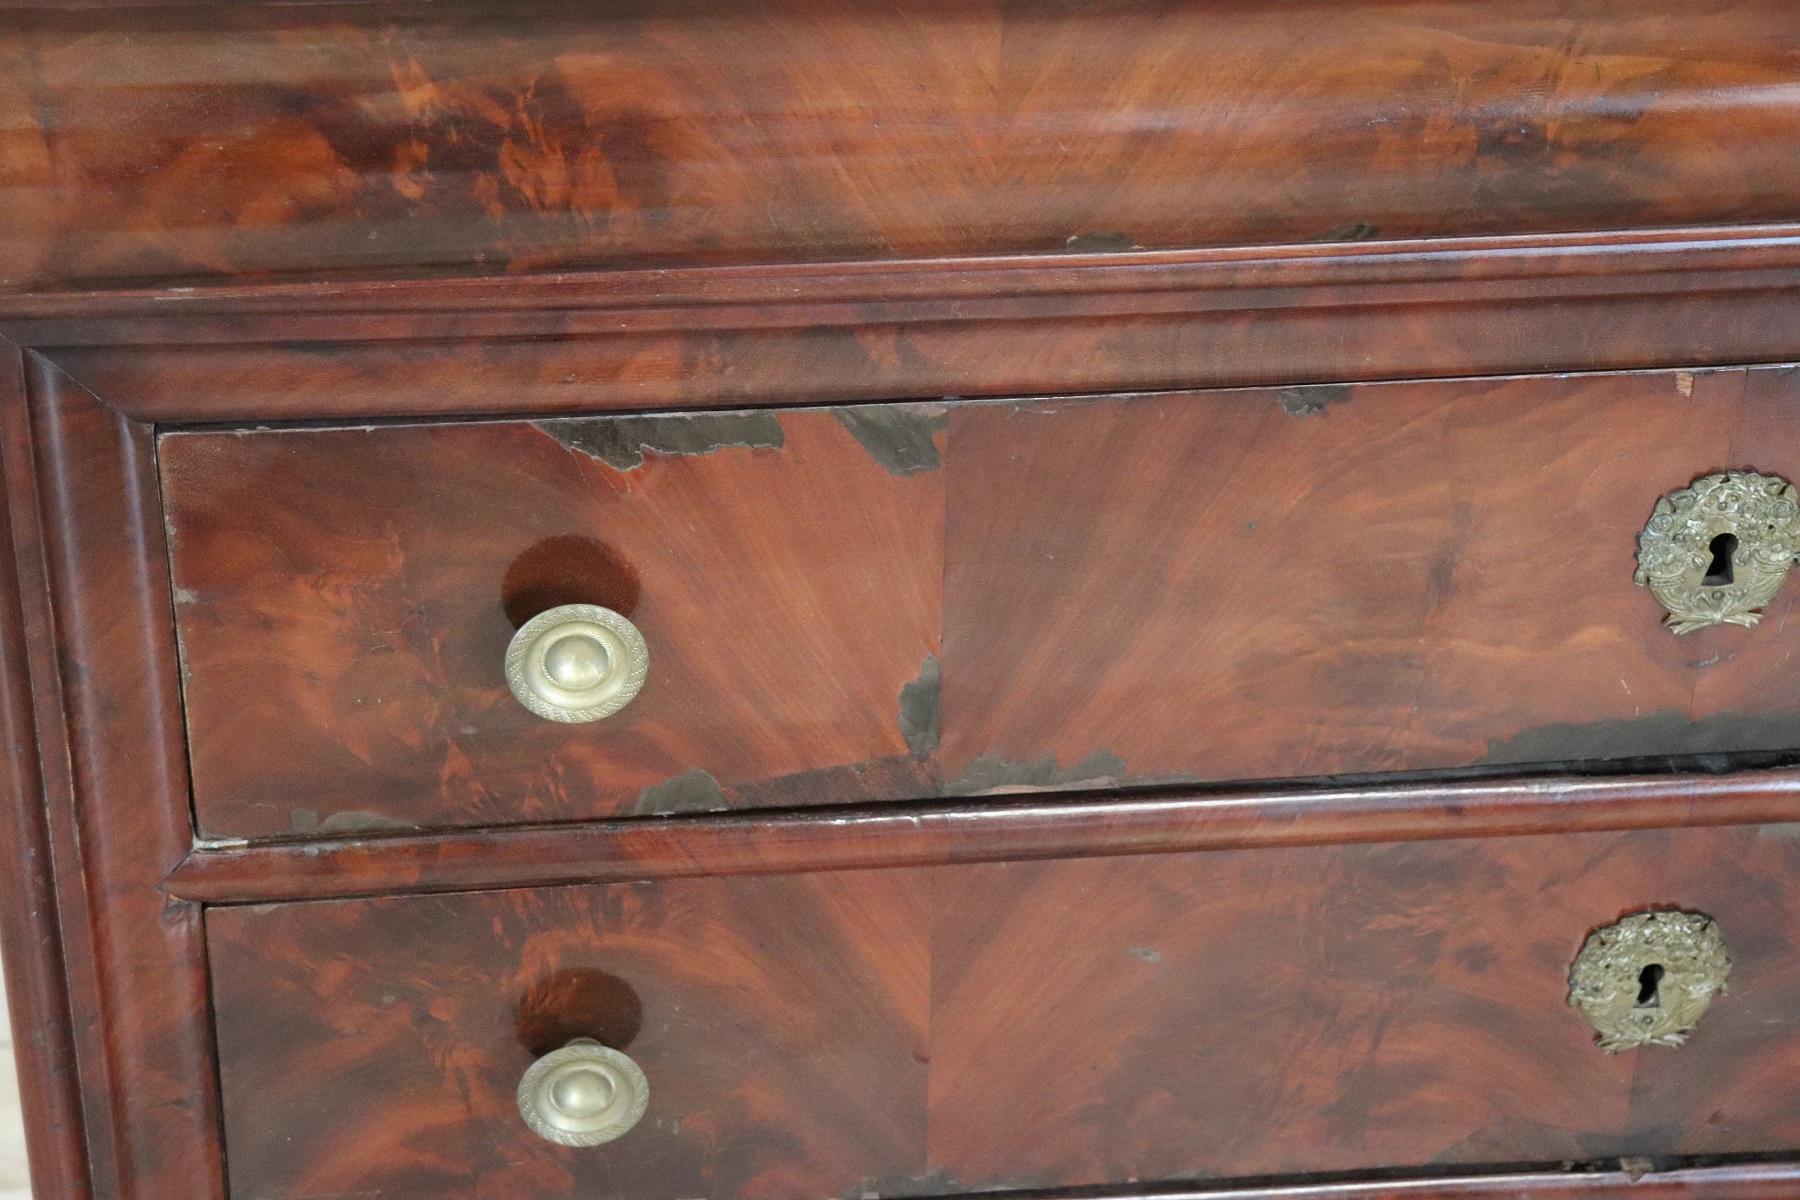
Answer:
x=1648 y=979
x=1718 y=572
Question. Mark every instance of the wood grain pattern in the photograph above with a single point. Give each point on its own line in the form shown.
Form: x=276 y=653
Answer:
x=422 y=137
x=1320 y=580
x=343 y=640
x=702 y=337
x=941 y=1030
x=892 y=835
x=37 y=993
x=102 y=658
x=1216 y=586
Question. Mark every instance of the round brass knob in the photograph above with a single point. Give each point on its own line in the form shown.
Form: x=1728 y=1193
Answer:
x=576 y=663
x=585 y=1094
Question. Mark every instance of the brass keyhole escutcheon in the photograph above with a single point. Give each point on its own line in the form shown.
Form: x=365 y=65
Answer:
x=1719 y=549
x=1646 y=980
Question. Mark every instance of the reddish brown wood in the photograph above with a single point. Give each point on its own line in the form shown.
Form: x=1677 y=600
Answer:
x=1344 y=579
x=1737 y=1181
x=36 y=984
x=135 y=960
x=357 y=138
x=343 y=638
x=941 y=1030
x=698 y=337
x=1205 y=586
x=918 y=835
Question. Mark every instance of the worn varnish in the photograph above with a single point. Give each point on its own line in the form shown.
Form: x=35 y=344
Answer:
x=343 y=646
x=1214 y=586
x=196 y=142
x=940 y=1030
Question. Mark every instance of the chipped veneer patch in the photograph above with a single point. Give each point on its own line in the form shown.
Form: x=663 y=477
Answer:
x=919 y=713
x=696 y=791
x=622 y=442
x=901 y=437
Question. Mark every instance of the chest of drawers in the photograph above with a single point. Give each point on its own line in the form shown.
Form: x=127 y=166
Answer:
x=1131 y=600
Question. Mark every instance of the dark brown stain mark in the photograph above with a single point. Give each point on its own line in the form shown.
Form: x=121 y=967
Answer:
x=305 y=820
x=622 y=442
x=1311 y=399
x=695 y=792
x=919 y=709
x=1667 y=733
x=1107 y=242
x=901 y=437
x=569 y=569
x=992 y=773
x=897 y=777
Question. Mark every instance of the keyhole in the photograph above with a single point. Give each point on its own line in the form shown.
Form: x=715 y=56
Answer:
x=1648 y=980
x=1718 y=572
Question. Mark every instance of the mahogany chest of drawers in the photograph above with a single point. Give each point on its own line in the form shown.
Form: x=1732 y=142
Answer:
x=1104 y=599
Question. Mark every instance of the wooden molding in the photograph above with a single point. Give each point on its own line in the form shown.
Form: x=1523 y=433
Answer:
x=993 y=829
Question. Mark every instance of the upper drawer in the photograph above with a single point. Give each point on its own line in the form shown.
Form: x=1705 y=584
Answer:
x=896 y=601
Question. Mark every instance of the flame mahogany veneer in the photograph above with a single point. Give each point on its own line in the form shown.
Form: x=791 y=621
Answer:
x=1133 y=505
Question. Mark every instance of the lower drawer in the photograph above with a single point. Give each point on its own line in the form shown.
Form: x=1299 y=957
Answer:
x=931 y=1031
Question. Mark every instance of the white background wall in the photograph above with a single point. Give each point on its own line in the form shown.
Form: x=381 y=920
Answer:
x=15 y=1184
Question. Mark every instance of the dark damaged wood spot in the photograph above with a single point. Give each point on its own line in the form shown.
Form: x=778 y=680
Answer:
x=901 y=437
x=919 y=709
x=1108 y=242
x=1311 y=399
x=1353 y=231
x=307 y=821
x=990 y=773
x=622 y=442
x=1654 y=735
x=695 y=792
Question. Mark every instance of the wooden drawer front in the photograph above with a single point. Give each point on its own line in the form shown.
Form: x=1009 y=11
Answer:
x=1210 y=586
x=935 y=1030
x=345 y=600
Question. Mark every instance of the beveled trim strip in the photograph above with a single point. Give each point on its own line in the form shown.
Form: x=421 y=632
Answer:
x=37 y=977
x=842 y=333
x=1740 y=1181
x=1604 y=256
x=997 y=829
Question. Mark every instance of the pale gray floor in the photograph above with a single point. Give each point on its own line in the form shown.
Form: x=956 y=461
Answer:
x=15 y=1184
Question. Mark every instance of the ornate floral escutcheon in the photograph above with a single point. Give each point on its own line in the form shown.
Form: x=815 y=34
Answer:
x=1647 y=979
x=1718 y=550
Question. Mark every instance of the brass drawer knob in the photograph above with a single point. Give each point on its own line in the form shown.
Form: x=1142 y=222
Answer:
x=585 y=1094
x=577 y=663
x=1647 y=979
x=1718 y=550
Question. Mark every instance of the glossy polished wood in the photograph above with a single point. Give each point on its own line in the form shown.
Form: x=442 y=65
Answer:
x=101 y=661
x=419 y=137
x=700 y=337
x=1139 y=589
x=35 y=959
x=344 y=647
x=944 y=1030
x=891 y=835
